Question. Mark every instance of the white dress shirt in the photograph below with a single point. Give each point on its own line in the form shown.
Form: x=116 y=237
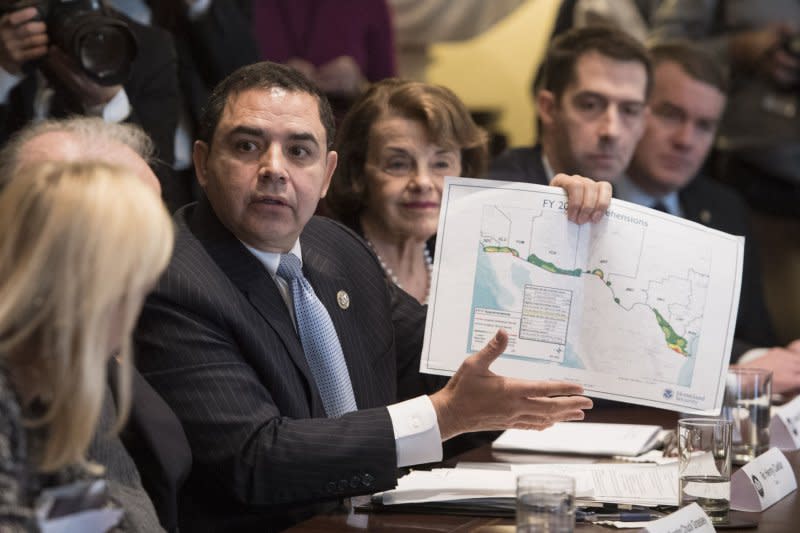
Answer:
x=116 y=110
x=416 y=429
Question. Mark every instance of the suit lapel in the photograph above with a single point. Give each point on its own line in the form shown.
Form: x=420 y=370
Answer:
x=692 y=206
x=250 y=276
x=327 y=282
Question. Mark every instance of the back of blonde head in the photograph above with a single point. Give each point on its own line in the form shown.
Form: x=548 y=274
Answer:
x=80 y=246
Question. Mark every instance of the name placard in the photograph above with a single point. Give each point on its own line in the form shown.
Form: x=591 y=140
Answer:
x=691 y=518
x=784 y=428
x=762 y=482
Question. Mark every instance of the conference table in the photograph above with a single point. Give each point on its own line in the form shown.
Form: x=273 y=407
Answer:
x=783 y=517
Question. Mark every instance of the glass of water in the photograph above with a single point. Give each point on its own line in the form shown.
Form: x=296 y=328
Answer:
x=704 y=465
x=747 y=404
x=545 y=503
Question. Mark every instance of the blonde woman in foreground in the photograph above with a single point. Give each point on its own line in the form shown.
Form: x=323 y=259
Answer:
x=80 y=246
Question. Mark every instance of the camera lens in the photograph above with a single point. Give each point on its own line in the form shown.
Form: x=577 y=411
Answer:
x=106 y=53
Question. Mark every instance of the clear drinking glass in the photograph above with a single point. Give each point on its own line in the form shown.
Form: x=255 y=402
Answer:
x=747 y=403
x=704 y=465
x=545 y=504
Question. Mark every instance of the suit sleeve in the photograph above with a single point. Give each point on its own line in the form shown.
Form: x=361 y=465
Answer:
x=153 y=89
x=239 y=437
x=222 y=36
x=754 y=327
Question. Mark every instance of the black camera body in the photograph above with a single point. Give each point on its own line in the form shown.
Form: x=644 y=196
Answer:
x=100 y=42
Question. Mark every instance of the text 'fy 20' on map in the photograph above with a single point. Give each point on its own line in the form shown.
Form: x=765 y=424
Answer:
x=639 y=307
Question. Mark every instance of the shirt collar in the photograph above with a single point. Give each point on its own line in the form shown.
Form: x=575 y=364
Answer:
x=626 y=190
x=272 y=260
x=548 y=170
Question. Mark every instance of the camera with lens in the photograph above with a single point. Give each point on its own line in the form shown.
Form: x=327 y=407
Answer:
x=99 y=42
x=792 y=44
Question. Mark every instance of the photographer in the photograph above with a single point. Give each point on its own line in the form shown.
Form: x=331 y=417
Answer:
x=40 y=80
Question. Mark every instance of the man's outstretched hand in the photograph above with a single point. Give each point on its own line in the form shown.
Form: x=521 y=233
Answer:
x=477 y=399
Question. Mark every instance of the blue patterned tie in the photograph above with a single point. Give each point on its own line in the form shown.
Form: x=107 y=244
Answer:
x=320 y=343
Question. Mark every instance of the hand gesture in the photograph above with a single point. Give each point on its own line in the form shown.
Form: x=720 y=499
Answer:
x=586 y=199
x=341 y=76
x=785 y=366
x=763 y=50
x=476 y=399
x=22 y=39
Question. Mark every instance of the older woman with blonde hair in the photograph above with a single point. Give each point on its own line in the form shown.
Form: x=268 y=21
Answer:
x=395 y=146
x=81 y=244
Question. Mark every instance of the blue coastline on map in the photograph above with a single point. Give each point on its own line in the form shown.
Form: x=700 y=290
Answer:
x=489 y=293
x=687 y=370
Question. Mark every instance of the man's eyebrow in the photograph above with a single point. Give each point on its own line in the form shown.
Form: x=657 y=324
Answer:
x=247 y=130
x=304 y=137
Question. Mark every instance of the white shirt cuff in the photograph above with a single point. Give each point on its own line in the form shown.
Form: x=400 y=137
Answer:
x=751 y=355
x=416 y=432
x=198 y=8
x=116 y=110
x=7 y=83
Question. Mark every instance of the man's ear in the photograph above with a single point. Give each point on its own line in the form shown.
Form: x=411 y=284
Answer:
x=200 y=160
x=546 y=106
x=331 y=160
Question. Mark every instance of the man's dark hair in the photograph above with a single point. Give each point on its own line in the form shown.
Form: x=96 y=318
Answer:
x=694 y=61
x=264 y=75
x=558 y=69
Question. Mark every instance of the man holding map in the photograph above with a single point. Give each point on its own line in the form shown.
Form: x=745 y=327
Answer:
x=274 y=335
x=687 y=101
x=591 y=99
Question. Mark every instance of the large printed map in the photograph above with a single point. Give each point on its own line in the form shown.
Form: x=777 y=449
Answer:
x=624 y=303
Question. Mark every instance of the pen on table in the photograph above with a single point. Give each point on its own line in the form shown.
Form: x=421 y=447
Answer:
x=626 y=516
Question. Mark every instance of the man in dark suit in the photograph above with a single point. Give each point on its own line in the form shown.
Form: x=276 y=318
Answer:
x=590 y=97
x=225 y=337
x=149 y=470
x=686 y=104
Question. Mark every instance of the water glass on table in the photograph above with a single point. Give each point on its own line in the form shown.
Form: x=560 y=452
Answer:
x=704 y=465
x=747 y=405
x=545 y=503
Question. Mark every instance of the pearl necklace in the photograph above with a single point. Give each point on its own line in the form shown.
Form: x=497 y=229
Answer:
x=391 y=275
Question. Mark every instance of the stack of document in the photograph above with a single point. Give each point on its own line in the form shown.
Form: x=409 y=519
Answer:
x=582 y=438
x=643 y=485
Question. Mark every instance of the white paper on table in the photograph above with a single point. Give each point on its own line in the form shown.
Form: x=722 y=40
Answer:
x=582 y=438
x=762 y=482
x=690 y=518
x=784 y=427
x=448 y=484
x=639 y=307
x=636 y=484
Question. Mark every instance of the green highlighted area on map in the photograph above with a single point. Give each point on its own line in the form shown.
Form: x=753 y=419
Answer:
x=501 y=250
x=674 y=341
x=550 y=267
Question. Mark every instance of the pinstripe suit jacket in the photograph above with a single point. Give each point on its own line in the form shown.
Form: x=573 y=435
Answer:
x=217 y=342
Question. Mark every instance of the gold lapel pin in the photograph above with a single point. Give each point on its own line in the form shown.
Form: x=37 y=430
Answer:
x=343 y=299
x=705 y=216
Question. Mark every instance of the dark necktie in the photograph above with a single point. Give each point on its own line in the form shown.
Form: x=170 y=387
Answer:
x=660 y=206
x=320 y=342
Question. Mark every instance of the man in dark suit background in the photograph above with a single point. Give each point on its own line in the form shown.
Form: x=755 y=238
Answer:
x=220 y=338
x=686 y=104
x=590 y=98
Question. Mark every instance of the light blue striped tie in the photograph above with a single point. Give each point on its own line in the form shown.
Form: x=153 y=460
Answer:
x=320 y=342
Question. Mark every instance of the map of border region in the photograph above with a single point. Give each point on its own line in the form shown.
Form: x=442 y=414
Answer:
x=569 y=295
x=639 y=307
